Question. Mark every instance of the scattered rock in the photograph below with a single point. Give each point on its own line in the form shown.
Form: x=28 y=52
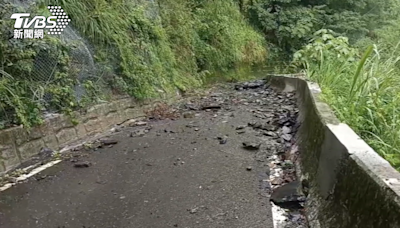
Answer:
x=268 y=127
x=135 y=123
x=297 y=219
x=191 y=106
x=249 y=168
x=270 y=133
x=287 y=137
x=285 y=120
x=188 y=115
x=42 y=177
x=256 y=125
x=13 y=180
x=211 y=106
x=93 y=145
x=251 y=145
x=130 y=122
x=239 y=87
x=141 y=123
x=193 y=210
x=115 y=129
x=190 y=125
x=241 y=127
x=276 y=181
x=286 y=130
x=289 y=195
x=250 y=85
x=138 y=133
x=223 y=140
x=46 y=152
x=107 y=142
x=197 y=209
x=287 y=164
x=82 y=164
x=216 y=95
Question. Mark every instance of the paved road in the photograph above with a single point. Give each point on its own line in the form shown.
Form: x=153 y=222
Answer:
x=176 y=175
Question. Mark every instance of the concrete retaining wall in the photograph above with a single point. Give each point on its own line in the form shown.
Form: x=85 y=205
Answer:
x=351 y=186
x=18 y=144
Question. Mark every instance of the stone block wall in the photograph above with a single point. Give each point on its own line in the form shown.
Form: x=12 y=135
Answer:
x=19 y=144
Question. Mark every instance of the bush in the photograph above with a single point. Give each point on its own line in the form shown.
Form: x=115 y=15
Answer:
x=146 y=49
x=22 y=93
x=363 y=89
x=161 y=48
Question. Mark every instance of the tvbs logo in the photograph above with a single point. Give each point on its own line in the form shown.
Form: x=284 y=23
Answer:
x=25 y=27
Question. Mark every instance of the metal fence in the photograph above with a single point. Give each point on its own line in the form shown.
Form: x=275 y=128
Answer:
x=81 y=54
x=81 y=58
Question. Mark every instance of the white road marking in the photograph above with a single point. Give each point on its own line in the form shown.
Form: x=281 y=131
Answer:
x=30 y=174
x=279 y=216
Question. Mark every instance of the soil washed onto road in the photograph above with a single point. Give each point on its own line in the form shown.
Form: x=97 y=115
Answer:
x=204 y=162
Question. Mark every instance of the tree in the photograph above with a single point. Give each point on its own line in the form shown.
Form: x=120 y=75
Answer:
x=289 y=24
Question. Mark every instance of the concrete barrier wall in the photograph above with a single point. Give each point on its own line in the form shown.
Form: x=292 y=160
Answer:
x=350 y=185
x=19 y=144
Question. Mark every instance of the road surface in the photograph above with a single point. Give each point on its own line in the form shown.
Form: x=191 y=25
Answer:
x=188 y=172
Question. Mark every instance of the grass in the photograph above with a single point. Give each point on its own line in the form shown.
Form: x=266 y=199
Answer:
x=365 y=94
x=171 y=49
x=147 y=49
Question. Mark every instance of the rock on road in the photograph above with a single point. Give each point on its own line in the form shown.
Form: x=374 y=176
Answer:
x=194 y=171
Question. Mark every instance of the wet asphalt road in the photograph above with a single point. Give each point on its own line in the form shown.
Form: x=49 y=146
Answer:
x=176 y=175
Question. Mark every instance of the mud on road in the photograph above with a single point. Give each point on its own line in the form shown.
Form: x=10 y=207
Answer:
x=209 y=161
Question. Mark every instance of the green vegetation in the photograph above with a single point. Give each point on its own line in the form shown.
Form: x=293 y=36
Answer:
x=151 y=48
x=21 y=96
x=351 y=48
x=160 y=48
x=144 y=49
x=362 y=89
